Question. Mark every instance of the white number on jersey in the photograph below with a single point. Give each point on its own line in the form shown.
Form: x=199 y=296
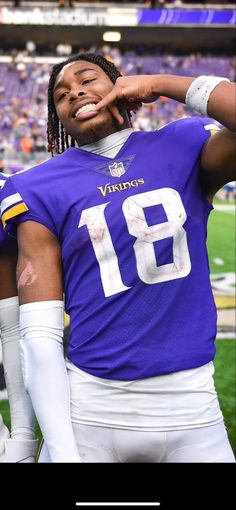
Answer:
x=133 y=208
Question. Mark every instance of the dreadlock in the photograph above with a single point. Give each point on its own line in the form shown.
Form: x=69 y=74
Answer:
x=58 y=139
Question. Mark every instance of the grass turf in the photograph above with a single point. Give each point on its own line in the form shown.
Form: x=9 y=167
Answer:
x=221 y=241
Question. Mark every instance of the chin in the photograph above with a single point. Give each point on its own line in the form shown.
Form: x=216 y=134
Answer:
x=93 y=131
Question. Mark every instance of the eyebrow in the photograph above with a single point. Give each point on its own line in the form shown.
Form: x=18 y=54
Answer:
x=77 y=73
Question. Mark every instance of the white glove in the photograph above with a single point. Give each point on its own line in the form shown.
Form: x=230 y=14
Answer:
x=20 y=450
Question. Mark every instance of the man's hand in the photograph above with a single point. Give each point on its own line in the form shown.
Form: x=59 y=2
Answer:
x=129 y=93
x=20 y=450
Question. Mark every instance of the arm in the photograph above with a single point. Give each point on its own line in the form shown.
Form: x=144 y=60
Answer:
x=8 y=259
x=133 y=90
x=218 y=154
x=22 y=445
x=39 y=278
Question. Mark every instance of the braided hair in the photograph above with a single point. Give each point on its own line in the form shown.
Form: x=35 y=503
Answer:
x=58 y=139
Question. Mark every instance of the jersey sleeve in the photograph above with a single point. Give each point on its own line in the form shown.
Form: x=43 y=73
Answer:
x=189 y=135
x=209 y=125
x=21 y=200
x=204 y=127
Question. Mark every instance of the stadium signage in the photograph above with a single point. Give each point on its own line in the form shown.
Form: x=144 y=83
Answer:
x=78 y=16
x=117 y=17
x=185 y=16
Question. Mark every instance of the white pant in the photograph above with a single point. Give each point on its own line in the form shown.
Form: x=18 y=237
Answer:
x=101 y=444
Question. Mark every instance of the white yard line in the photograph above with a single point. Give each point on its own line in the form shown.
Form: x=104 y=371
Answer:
x=226 y=335
x=229 y=209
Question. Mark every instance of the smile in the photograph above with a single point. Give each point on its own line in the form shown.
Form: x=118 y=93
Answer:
x=85 y=109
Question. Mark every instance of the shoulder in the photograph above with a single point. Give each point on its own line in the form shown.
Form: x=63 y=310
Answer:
x=38 y=171
x=196 y=123
x=37 y=180
x=190 y=131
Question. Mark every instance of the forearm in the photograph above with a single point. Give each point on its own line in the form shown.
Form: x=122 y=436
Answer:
x=45 y=376
x=172 y=86
x=222 y=100
x=208 y=95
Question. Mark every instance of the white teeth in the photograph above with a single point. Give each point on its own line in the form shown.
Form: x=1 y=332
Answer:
x=86 y=108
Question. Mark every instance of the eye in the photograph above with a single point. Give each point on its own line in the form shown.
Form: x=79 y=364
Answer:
x=88 y=80
x=61 y=96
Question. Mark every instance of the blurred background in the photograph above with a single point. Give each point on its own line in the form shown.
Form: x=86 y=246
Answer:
x=176 y=37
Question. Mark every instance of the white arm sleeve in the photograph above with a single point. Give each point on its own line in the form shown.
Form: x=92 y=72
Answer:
x=45 y=376
x=22 y=415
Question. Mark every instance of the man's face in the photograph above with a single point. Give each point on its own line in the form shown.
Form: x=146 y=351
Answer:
x=78 y=87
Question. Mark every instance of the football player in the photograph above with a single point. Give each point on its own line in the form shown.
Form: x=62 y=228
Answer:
x=21 y=445
x=117 y=222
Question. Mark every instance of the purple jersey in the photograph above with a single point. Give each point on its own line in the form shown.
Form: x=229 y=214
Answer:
x=4 y=238
x=133 y=236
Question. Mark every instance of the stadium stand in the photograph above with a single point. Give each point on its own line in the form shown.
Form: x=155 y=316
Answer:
x=23 y=110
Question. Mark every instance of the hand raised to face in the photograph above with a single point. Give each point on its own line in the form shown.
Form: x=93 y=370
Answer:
x=129 y=92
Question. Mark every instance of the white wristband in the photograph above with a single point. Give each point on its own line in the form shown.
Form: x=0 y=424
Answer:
x=198 y=93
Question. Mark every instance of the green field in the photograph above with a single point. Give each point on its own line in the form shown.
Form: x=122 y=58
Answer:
x=221 y=240
x=225 y=376
x=221 y=245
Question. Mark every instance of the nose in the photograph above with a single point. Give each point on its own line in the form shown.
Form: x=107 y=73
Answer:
x=76 y=92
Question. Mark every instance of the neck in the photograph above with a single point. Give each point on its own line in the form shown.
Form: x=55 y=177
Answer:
x=110 y=145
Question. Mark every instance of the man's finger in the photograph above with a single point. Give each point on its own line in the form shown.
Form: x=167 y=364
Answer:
x=110 y=98
x=115 y=113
